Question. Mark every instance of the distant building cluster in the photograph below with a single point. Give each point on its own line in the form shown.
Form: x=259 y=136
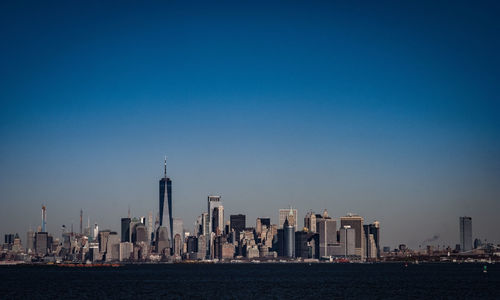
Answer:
x=323 y=238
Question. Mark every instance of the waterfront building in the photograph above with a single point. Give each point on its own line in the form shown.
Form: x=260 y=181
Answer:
x=202 y=247
x=227 y=251
x=113 y=247
x=178 y=245
x=465 y=234
x=263 y=251
x=218 y=242
x=301 y=246
x=252 y=251
x=163 y=245
x=371 y=247
x=375 y=230
x=166 y=219
x=356 y=222
x=327 y=230
x=93 y=253
x=288 y=238
x=41 y=243
x=347 y=240
x=126 y=249
x=372 y=238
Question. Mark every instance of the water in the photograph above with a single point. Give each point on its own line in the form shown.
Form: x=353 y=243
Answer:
x=253 y=281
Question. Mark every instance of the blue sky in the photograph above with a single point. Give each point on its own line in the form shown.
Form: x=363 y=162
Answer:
x=385 y=109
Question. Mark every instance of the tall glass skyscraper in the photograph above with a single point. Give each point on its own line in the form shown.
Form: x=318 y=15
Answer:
x=465 y=233
x=166 y=219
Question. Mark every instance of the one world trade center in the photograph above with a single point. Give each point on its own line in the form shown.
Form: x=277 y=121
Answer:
x=166 y=204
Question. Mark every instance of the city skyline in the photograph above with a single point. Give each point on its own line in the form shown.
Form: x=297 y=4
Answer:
x=284 y=215
x=387 y=110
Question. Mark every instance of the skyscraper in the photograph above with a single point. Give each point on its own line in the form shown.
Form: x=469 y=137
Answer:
x=265 y=221
x=285 y=214
x=356 y=222
x=166 y=219
x=218 y=220
x=213 y=202
x=150 y=225
x=95 y=234
x=347 y=240
x=205 y=230
x=44 y=218
x=465 y=233
x=179 y=228
x=237 y=222
x=125 y=230
x=288 y=239
x=372 y=232
x=41 y=243
x=139 y=233
x=30 y=241
x=310 y=221
x=163 y=245
x=327 y=229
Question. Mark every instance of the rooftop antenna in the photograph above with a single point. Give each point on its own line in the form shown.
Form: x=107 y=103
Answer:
x=165 y=165
x=129 y=211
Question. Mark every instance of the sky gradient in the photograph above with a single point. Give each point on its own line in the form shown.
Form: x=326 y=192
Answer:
x=390 y=110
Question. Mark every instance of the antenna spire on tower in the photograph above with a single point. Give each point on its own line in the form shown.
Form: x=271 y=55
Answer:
x=165 y=165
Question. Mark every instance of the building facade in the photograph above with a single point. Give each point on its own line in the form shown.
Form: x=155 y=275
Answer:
x=465 y=233
x=356 y=222
x=166 y=219
x=125 y=234
x=327 y=229
x=237 y=223
x=284 y=214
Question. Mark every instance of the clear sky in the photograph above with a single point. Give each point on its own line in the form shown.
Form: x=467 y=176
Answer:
x=386 y=109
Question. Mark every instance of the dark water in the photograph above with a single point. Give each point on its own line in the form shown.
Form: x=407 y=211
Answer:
x=253 y=281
